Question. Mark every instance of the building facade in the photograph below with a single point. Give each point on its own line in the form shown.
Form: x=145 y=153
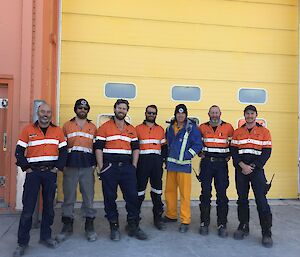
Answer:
x=229 y=53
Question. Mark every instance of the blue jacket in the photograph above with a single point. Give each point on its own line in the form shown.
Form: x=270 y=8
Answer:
x=183 y=147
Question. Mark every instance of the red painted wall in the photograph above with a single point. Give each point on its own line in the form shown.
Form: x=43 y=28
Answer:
x=28 y=57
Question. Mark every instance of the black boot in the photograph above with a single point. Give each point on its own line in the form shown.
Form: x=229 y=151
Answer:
x=115 y=234
x=242 y=231
x=222 y=231
x=20 y=250
x=158 y=221
x=157 y=210
x=222 y=212
x=204 y=219
x=243 y=228
x=266 y=224
x=134 y=230
x=90 y=233
x=67 y=229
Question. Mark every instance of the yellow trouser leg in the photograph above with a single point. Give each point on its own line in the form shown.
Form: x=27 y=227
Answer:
x=171 y=195
x=185 y=184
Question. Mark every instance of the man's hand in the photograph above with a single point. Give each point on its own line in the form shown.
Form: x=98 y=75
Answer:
x=54 y=170
x=227 y=158
x=201 y=155
x=246 y=169
x=29 y=170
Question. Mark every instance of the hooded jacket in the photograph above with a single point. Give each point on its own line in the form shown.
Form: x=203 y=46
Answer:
x=183 y=146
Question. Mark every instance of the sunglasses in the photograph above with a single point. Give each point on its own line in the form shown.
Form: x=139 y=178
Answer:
x=153 y=113
x=82 y=107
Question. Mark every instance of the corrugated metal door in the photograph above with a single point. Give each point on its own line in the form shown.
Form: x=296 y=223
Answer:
x=220 y=46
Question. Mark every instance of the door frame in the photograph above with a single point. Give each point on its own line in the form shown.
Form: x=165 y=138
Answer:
x=10 y=172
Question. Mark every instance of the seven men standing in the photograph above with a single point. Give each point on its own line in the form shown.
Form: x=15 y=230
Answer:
x=41 y=152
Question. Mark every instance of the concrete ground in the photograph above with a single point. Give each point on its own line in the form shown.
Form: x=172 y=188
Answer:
x=286 y=236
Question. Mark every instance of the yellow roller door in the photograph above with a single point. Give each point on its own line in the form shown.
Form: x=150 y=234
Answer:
x=220 y=46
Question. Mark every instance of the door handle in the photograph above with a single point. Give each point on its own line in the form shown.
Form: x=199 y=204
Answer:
x=4 y=142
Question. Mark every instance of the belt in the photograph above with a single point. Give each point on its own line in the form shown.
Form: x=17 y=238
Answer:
x=43 y=168
x=215 y=159
x=120 y=164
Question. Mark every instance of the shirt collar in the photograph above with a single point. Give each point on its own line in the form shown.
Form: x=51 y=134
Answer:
x=73 y=119
x=36 y=124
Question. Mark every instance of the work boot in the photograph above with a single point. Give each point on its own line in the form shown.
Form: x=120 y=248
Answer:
x=183 y=228
x=222 y=231
x=20 y=250
x=203 y=230
x=241 y=232
x=90 y=233
x=166 y=219
x=115 y=234
x=67 y=229
x=204 y=219
x=50 y=243
x=222 y=212
x=267 y=240
x=158 y=223
x=134 y=230
x=266 y=224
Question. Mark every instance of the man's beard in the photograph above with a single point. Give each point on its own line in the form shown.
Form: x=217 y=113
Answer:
x=81 y=115
x=120 y=116
x=151 y=121
x=215 y=121
x=44 y=122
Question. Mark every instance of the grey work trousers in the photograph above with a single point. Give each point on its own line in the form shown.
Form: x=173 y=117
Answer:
x=86 y=179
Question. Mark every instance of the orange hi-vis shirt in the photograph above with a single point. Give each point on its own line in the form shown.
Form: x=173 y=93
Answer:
x=116 y=144
x=216 y=142
x=150 y=138
x=252 y=147
x=251 y=142
x=80 y=143
x=40 y=147
x=80 y=139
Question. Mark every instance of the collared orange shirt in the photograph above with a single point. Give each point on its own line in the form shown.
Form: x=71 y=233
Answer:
x=80 y=143
x=150 y=138
x=216 y=142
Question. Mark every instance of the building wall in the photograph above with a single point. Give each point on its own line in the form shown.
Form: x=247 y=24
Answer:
x=219 y=45
x=27 y=31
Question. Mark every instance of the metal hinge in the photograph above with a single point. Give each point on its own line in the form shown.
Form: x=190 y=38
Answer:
x=3 y=103
x=4 y=142
x=2 y=181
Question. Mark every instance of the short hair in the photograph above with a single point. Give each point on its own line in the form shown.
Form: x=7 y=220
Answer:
x=214 y=106
x=250 y=108
x=42 y=104
x=152 y=106
x=121 y=101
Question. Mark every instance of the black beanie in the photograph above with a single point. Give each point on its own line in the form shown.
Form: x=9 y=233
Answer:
x=81 y=102
x=181 y=108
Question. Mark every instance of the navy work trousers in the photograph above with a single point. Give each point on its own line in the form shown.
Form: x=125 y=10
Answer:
x=150 y=167
x=123 y=175
x=33 y=181
x=258 y=183
x=217 y=171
